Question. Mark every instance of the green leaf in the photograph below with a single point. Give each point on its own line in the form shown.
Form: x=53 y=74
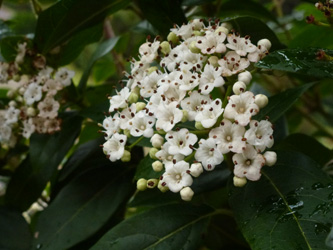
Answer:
x=9 y=47
x=145 y=169
x=163 y=14
x=301 y=61
x=301 y=142
x=61 y=21
x=46 y=153
x=169 y=227
x=14 y=230
x=280 y=103
x=83 y=206
x=288 y=208
x=102 y=49
x=245 y=8
x=256 y=29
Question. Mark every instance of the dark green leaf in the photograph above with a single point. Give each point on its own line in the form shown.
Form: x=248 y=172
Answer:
x=169 y=227
x=46 y=153
x=64 y=19
x=83 y=207
x=329 y=239
x=301 y=61
x=288 y=208
x=14 y=230
x=145 y=170
x=280 y=103
x=245 y=8
x=195 y=2
x=9 y=47
x=302 y=142
x=103 y=48
x=163 y=14
x=256 y=29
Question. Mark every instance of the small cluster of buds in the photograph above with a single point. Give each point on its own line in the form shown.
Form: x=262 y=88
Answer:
x=34 y=99
x=326 y=8
x=175 y=81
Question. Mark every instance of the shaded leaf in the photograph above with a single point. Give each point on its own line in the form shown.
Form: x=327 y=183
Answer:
x=98 y=192
x=14 y=230
x=67 y=17
x=145 y=169
x=301 y=61
x=288 y=208
x=46 y=153
x=176 y=226
x=9 y=47
x=280 y=103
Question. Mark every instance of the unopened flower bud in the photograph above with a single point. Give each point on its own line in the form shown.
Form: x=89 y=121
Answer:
x=140 y=106
x=239 y=182
x=10 y=94
x=157 y=141
x=228 y=26
x=196 y=169
x=151 y=70
x=157 y=166
x=198 y=125
x=151 y=183
x=126 y=156
x=270 y=158
x=141 y=184
x=245 y=77
x=165 y=47
x=31 y=112
x=265 y=42
x=152 y=153
x=239 y=87
x=261 y=100
x=133 y=98
x=21 y=91
x=319 y=5
x=162 y=186
x=213 y=60
x=185 y=116
x=197 y=33
x=172 y=37
x=12 y=103
x=186 y=193
x=222 y=29
x=127 y=132
x=194 y=48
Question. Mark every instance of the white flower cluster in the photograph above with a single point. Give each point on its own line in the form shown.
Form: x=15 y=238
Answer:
x=175 y=80
x=34 y=101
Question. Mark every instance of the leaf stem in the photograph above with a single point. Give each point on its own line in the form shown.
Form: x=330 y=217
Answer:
x=135 y=143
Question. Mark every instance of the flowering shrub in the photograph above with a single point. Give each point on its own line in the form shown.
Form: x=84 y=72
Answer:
x=216 y=133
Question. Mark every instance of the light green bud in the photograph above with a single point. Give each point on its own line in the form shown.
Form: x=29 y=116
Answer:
x=126 y=156
x=141 y=184
x=151 y=70
x=239 y=182
x=185 y=115
x=157 y=166
x=172 y=37
x=151 y=183
x=198 y=125
x=152 y=153
x=162 y=186
x=140 y=106
x=214 y=61
x=194 y=48
x=165 y=47
x=133 y=98
x=222 y=29
x=127 y=132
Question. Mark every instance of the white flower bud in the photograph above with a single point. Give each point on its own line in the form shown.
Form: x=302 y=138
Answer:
x=140 y=106
x=165 y=47
x=186 y=194
x=222 y=29
x=12 y=104
x=21 y=91
x=157 y=141
x=239 y=87
x=261 y=100
x=152 y=153
x=265 y=42
x=245 y=77
x=196 y=169
x=151 y=183
x=162 y=186
x=141 y=184
x=31 y=111
x=133 y=98
x=157 y=166
x=194 y=48
x=213 y=60
x=270 y=158
x=227 y=26
x=172 y=37
x=126 y=156
x=239 y=182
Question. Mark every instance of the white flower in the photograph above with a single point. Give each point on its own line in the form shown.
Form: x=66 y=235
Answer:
x=208 y=154
x=20 y=52
x=241 y=45
x=52 y=87
x=142 y=125
x=3 y=72
x=126 y=115
x=52 y=125
x=241 y=108
x=48 y=108
x=148 y=86
x=33 y=93
x=229 y=137
x=149 y=51
x=64 y=76
x=114 y=147
x=119 y=100
x=211 y=77
x=111 y=126
x=232 y=64
x=193 y=103
x=191 y=60
x=168 y=115
x=260 y=135
x=167 y=158
x=176 y=176
x=212 y=43
x=5 y=133
x=28 y=128
x=209 y=113
x=248 y=164
x=184 y=31
x=181 y=142
x=187 y=80
x=12 y=115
